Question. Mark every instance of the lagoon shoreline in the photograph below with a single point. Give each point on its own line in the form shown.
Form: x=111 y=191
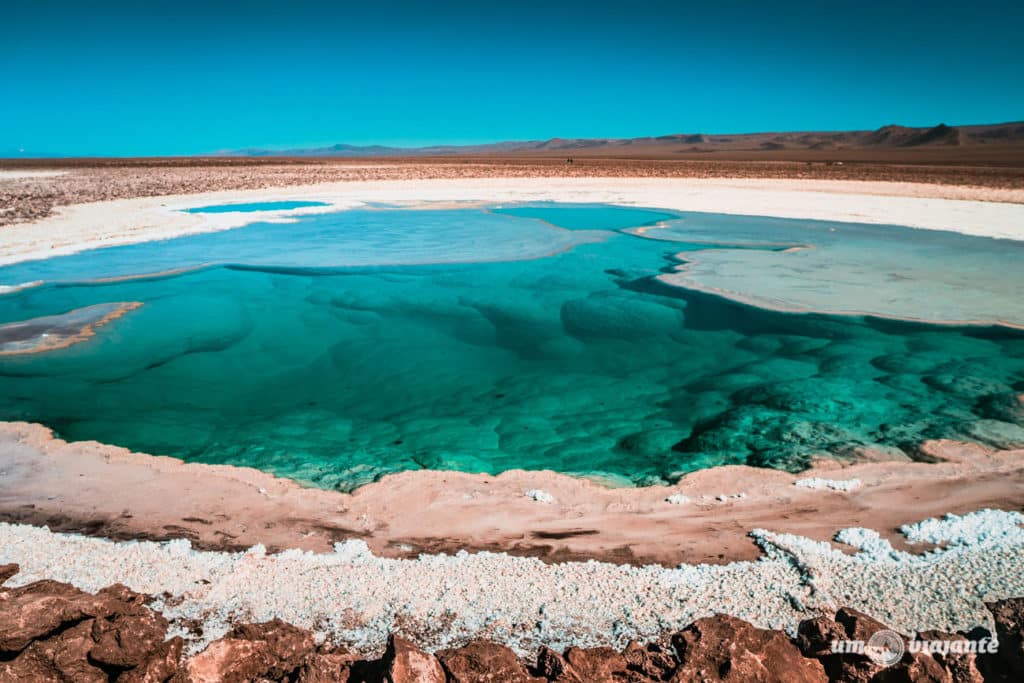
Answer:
x=78 y=227
x=704 y=518
x=425 y=519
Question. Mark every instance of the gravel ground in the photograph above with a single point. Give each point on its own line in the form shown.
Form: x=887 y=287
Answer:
x=32 y=190
x=350 y=596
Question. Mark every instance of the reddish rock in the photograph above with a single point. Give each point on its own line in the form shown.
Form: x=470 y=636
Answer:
x=328 y=667
x=651 y=660
x=857 y=625
x=159 y=667
x=33 y=611
x=1009 y=620
x=596 y=663
x=403 y=662
x=915 y=669
x=553 y=667
x=227 y=660
x=7 y=571
x=273 y=650
x=122 y=594
x=815 y=636
x=287 y=645
x=961 y=667
x=64 y=657
x=723 y=648
x=851 y=666
x=481 y=661
x=126 y=641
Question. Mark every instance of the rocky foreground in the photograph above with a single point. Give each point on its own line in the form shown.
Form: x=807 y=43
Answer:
x=51 y=631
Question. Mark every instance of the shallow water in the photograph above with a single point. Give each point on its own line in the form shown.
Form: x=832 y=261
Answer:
x=254 y=206
x=351 y=344
x=843 y=267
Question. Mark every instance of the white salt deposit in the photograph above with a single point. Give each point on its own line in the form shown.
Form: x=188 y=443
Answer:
x=8 y=289
x=677 y=499
x=834 y=484
x=996 y=527
x=354 y=597
x=540 y=496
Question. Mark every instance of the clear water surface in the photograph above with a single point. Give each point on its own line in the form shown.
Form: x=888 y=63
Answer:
x=351 y=344
x=254 y=206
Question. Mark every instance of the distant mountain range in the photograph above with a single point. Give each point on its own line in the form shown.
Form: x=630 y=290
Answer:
x=886 y=138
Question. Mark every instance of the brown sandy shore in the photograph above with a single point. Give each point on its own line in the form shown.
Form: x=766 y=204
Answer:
x=33 y=189
x=108 y=491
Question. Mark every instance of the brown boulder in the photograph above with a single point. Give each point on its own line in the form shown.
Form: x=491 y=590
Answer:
x=849 y=625
x=596 y=663
x=724 y=648
x=30 y=612
x=651 y=660
x=287 y=645
x=273 y=650
x=921 y=668
x=482 y=661
x=64 y=657
x=159 y=667
x=403 y=662
x=126 y=641
x=857 y=625
x=553 y=667
x=815 y=636
x=122 y=594
x=7 y=571
x=962 y=667
x=327 y=667
x=1008 y=661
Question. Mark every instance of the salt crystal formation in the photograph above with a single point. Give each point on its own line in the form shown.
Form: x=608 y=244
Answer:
x=352 y=596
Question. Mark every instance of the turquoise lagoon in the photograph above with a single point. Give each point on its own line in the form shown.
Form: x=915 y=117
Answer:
x=347 y=345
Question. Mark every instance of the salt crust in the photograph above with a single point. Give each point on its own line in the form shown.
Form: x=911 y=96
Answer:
x=351 y=596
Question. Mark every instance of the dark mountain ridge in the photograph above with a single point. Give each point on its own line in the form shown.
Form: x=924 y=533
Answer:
x=886 y=137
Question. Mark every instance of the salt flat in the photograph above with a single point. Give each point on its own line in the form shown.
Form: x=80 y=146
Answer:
x=124 y=221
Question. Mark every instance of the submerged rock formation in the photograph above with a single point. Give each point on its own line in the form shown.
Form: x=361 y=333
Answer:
x=51 y=631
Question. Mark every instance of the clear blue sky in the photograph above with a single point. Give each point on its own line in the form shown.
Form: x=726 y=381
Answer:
x=155 y=77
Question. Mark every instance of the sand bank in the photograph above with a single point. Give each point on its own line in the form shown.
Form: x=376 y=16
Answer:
x=52 y=332
x=110 y=491
x=123 y=221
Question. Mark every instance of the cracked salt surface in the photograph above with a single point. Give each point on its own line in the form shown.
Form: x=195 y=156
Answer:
x=351 y=596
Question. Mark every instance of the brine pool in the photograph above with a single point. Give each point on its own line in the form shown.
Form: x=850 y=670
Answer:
x=593 y=340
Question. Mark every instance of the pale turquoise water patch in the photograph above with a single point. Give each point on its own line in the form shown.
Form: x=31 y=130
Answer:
x=853 y=268
x=254 y=206
x=351 y=344
x=344 y=239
